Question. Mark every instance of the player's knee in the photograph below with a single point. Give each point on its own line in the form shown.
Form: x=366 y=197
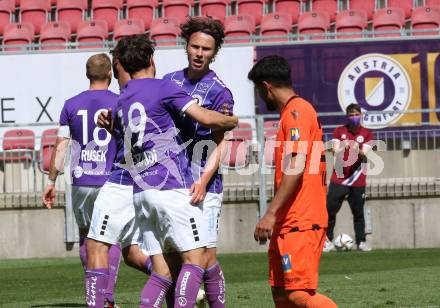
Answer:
x=96 y=248
x=300 y=298
x=127 y=254
x=280 y=298
x=211 y=256
x=196 y=257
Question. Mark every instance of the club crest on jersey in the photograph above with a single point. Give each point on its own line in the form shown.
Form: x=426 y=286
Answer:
x=294 y=134
x=199 y=99
x=376 y=82
x=360 y=139
x=343 y=136
x=286 y=262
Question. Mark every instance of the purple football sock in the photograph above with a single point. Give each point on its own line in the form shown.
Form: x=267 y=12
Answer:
x=155 y=290
x=215 y=286
x=96 y=281
x=83 y=252
x=114 y=258
x=148 y=266
x=188 y=285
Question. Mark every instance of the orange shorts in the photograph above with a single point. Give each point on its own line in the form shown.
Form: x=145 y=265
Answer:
x=294 y=259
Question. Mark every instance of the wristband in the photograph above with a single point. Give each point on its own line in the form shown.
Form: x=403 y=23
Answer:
x=51 y=182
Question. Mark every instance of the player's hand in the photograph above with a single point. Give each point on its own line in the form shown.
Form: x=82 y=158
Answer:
x=263 y=229
x=198 y=192
x=49 y=196
x=105 y=120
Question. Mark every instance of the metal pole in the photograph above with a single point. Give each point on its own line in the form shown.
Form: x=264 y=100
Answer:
x=262 y=196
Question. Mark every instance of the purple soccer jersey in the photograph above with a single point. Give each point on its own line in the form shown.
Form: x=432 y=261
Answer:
x=145 y=111
x=214 y=95
x=92 y=148
x=119 y=174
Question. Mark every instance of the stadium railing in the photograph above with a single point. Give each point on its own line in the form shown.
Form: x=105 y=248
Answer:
x=254 y=40
x=409 y=155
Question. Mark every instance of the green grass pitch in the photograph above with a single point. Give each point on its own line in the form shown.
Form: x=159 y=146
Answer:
x=382 y=278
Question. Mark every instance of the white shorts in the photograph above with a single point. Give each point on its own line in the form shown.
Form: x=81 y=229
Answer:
x=212 y=207
x=114 y=218
x=83 y=199
x=169 y=222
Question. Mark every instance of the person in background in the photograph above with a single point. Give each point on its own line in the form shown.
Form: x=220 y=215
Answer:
x=350 y=146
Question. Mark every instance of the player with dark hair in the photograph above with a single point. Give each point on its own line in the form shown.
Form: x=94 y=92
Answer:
x=161 y=173
x=296 y=219
x=204 y=37
x=350 y=179
x=113 y=218
x=92 y=154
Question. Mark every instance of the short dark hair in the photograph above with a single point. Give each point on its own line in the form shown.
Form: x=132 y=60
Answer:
x=98 y=67
x=207 y=25
x=273 y=69
x=134 y=52
x=353 y=107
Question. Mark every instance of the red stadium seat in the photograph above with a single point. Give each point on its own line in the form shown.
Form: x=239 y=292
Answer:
x=239 y=28
x=35 y=12
x=71 y=11
x=7 y=8
x=18 y=34
x=57 y=32
x=92 y=33
x=216 y=9
x=388 y=20
x=291 y=7
x=178 y=9
x=424 y=18
x=238 y=147
x=351 y=21
x=252 y=7
x=369 y=6
x=128 y=27
x=276 y=24
x=165 y=31
x=406 y=5
x=48 y=140
x=18 y=145
x=329 y=6
x=107 y=10
x=432 y=3
x=313 y=23
x=142 y=9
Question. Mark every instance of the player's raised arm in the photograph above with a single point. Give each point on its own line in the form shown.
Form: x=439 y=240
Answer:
x=211 y=119
x=198 y=188
x=56 y=165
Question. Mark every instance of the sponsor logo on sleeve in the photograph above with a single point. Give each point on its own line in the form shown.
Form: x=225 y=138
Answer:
x=294 y=134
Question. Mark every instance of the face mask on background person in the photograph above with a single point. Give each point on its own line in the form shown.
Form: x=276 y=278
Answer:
x=354 y=120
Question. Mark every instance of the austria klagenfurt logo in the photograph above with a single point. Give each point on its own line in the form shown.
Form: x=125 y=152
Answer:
x=380 y=85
